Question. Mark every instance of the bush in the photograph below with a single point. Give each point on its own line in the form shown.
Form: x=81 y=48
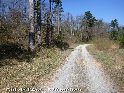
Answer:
x=121 y=41
x=102 y=44
x=114 y=35
x=59 y=43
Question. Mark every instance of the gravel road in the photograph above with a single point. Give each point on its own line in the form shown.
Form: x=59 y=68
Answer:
x=81 y=74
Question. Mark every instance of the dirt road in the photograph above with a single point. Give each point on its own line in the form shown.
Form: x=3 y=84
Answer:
x=81 y=74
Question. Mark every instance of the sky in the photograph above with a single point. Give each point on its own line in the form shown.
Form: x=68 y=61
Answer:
x=101 y=9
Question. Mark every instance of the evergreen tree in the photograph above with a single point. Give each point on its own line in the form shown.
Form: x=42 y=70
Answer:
x=88 y=22
x=114 y=29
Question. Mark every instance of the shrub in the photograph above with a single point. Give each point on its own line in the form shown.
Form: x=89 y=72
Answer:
x=102 y=43
x=121 y=41
x=114 y=35
x=59 y=43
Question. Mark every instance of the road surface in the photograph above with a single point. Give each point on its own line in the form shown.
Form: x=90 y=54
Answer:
x=81 y=74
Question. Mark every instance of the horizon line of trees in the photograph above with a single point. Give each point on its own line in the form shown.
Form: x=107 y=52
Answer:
x=35 y=23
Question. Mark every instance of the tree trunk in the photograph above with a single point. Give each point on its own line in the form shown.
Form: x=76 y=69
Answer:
x=39 y=37
x=39 y=21
x=58 y=20
x=71 y=30
x=50 y=20
x=31 y=33
x=48 y=34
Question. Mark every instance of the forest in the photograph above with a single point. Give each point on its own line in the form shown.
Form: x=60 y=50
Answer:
x=43 y=23
x=38 y=35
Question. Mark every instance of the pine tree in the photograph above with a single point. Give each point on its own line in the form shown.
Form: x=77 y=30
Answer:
x=89 y=22
x=114 y=29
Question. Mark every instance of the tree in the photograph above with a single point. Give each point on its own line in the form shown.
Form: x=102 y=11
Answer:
x=53 y=12
x=69 y=23
x=101 y=28
x=49 y=32
x=114 y=24
x=32 y=32
x=57 y=12
x=114 y=29
x=37 y=19
x=47 y=38
x=88 y=23
x=90 y=20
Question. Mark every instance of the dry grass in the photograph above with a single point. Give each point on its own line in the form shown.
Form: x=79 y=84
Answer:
x=111 y=58
x=30 y=74
x=103 y=44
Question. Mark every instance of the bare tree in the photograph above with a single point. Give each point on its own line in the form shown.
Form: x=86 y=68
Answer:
x=37 y=19
x=31 y=33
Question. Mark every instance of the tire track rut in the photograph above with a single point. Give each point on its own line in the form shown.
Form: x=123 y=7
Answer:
x=80 y=74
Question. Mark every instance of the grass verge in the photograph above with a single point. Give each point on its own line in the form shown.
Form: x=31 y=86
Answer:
x=111 y=58
x=30 y=74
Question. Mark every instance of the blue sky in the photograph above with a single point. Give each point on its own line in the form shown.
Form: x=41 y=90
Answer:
x=101 y=9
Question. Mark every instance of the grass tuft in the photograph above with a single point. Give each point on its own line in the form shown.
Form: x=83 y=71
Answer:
x=103 y=44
